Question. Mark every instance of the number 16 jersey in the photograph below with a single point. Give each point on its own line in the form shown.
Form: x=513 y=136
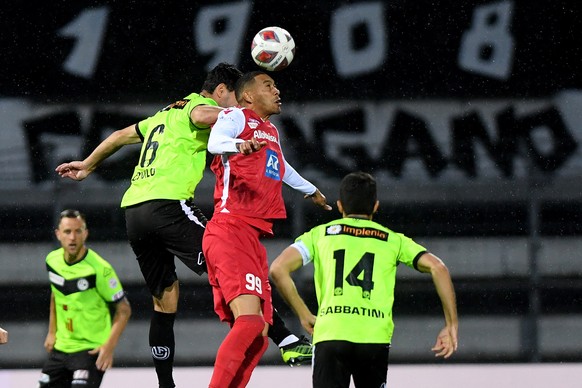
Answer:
x=173 y=154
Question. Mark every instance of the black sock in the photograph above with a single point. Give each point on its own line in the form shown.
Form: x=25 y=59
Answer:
x=278 y=332
x=162 y=346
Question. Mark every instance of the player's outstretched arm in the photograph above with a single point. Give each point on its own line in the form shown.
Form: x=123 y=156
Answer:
x=203 y=116
x=447 y=339
x=79 y=170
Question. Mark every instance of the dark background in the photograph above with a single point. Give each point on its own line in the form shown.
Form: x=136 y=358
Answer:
x=149 y=56
x=149 y=51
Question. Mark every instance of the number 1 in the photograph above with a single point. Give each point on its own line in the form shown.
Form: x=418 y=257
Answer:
x=365 y=265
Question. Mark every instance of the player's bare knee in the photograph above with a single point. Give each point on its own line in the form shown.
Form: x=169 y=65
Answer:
x=165 y=305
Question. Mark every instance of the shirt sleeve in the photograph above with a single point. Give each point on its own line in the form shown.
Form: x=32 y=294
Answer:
x=410 y=251
x=109 y=286
x=141 y=128
x=192 y=104
x=304 y=244
x=224 y=133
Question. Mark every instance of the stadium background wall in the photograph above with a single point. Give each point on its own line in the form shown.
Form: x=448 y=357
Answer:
x=469 y=114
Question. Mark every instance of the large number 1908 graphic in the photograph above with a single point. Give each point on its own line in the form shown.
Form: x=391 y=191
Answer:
x=365 y=265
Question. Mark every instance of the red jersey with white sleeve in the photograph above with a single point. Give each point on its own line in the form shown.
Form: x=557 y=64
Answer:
x=250 y=186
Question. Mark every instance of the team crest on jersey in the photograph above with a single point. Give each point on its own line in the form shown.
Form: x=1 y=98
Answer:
x=273 y=167
x=82 y=284
x=253 y=123
x=334 y=229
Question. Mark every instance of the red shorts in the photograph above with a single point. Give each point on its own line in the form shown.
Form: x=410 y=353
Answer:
x=237 y=265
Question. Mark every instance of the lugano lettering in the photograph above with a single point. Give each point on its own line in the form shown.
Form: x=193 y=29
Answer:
x=352 y=310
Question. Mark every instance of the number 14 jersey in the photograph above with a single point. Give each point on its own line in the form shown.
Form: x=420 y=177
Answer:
x=355 y=264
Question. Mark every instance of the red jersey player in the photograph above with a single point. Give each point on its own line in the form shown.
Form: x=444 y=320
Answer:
x=250 y=170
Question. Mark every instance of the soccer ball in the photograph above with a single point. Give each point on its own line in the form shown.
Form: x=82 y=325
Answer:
x=273 y=48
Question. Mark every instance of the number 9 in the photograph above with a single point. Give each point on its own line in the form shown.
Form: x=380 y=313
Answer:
x=254 y=283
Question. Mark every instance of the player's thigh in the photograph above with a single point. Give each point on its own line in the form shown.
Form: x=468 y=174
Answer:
x=370 y=363
x=238 y=259
x=237 y=262
x=85 y=372
x=54 y=372
x=331 y=367
x=182 y=234
x=158 y=269
x=155 y=261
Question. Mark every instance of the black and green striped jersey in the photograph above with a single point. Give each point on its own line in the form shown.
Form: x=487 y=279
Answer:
x=355 y=264
x=173 y=154
x=82 y=292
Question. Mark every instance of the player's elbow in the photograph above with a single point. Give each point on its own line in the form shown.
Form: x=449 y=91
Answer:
x=277 y=272
x=201 y=120
x=274 y=273
x=214 y=148
x=439 y=270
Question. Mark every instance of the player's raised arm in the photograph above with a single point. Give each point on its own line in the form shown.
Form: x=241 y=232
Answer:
x=224 y=135
x=203 y=116
x=80 y=169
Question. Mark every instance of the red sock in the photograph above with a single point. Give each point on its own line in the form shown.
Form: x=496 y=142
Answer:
x=254 y=354
x=233 y=350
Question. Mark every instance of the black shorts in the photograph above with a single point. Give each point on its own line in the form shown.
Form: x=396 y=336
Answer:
x=70 y=370
x=161 y=229
x=335 y=361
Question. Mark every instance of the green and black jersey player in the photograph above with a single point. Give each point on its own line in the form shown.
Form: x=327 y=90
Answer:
x=355 y=262
x=161 y=220
x=82 y=336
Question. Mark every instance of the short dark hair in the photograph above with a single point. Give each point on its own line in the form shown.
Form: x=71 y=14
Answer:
x=246 y=79
x=358 y=193
x=71 y=213
x=223 y=73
